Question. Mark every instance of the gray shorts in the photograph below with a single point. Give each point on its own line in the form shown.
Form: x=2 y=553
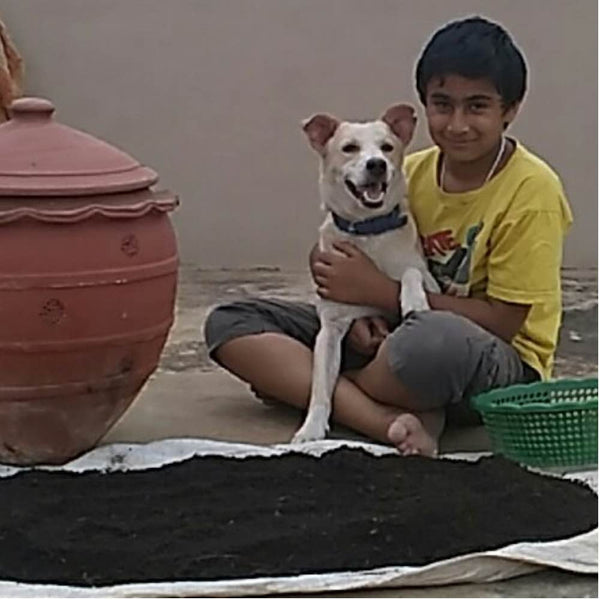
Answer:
x=442 y=358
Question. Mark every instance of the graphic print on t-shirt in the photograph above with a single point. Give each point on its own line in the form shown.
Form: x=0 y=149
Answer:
x=448 y=261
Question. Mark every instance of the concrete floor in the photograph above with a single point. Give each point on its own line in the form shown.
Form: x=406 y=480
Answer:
x=189 y=397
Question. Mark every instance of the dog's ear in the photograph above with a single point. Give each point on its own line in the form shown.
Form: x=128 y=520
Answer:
x=319 y=129
x=401 y=119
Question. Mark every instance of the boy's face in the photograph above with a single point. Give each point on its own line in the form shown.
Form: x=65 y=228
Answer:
x=466 y=117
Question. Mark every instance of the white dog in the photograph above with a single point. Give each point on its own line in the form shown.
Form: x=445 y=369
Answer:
x=363 y=189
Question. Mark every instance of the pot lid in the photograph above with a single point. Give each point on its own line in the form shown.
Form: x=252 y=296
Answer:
x=40 y=157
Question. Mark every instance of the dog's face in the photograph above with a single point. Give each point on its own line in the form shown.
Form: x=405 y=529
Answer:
x=361 y=163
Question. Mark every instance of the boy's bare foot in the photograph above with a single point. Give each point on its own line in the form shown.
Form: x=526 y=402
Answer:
x=409 y=435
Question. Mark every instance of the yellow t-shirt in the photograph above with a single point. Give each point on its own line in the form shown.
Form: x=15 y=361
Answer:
x=503 y=240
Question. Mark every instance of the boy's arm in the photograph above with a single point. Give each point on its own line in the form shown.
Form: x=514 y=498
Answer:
x=503 y=319
x=353 y=278
x=348 y=275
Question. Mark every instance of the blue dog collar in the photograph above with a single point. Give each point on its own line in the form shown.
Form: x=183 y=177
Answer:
x=373 y=226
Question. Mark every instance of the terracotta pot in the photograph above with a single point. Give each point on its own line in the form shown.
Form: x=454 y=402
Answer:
x=88 y=277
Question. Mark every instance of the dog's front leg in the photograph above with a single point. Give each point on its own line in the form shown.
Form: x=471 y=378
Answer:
x=430 y=284
x=326 y=369
x=412 y=296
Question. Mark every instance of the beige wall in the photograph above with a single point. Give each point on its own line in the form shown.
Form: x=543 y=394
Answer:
x=211 y=92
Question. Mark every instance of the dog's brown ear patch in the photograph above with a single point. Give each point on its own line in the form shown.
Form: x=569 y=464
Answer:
x=319 y=129
x=401 y=119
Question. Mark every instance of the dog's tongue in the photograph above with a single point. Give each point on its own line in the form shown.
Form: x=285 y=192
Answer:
x=374 y=190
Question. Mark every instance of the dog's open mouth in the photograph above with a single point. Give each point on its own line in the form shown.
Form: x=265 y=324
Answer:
x=370 y=195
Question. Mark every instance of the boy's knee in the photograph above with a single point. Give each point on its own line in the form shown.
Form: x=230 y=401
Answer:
x=226 y=322
x=217 y=320
x=428 y=353
x=429 y=338
x=255 y=316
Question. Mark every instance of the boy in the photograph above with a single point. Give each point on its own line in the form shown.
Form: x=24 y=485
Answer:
x=492 y=217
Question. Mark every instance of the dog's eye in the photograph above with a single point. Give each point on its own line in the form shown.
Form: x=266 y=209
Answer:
x=350 y=148
x=386 y=147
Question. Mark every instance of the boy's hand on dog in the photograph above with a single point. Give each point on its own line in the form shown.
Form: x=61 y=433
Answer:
x=346 y=275
x=366 y=334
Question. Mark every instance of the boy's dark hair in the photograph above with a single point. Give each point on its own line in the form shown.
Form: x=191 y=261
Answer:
x=474 y=48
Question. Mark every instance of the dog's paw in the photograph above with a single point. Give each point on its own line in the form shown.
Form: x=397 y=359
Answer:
x=312 y=430
x=416 y=305
x=413 y=301
x=412 y=294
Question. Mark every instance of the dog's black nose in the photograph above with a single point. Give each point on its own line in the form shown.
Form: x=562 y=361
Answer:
x=376 y=166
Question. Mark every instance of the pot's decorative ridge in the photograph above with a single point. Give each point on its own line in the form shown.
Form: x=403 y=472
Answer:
x=51 y=210
x=39 y=156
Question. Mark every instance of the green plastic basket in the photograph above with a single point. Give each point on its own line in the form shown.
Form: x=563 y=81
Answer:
x=547 y=424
